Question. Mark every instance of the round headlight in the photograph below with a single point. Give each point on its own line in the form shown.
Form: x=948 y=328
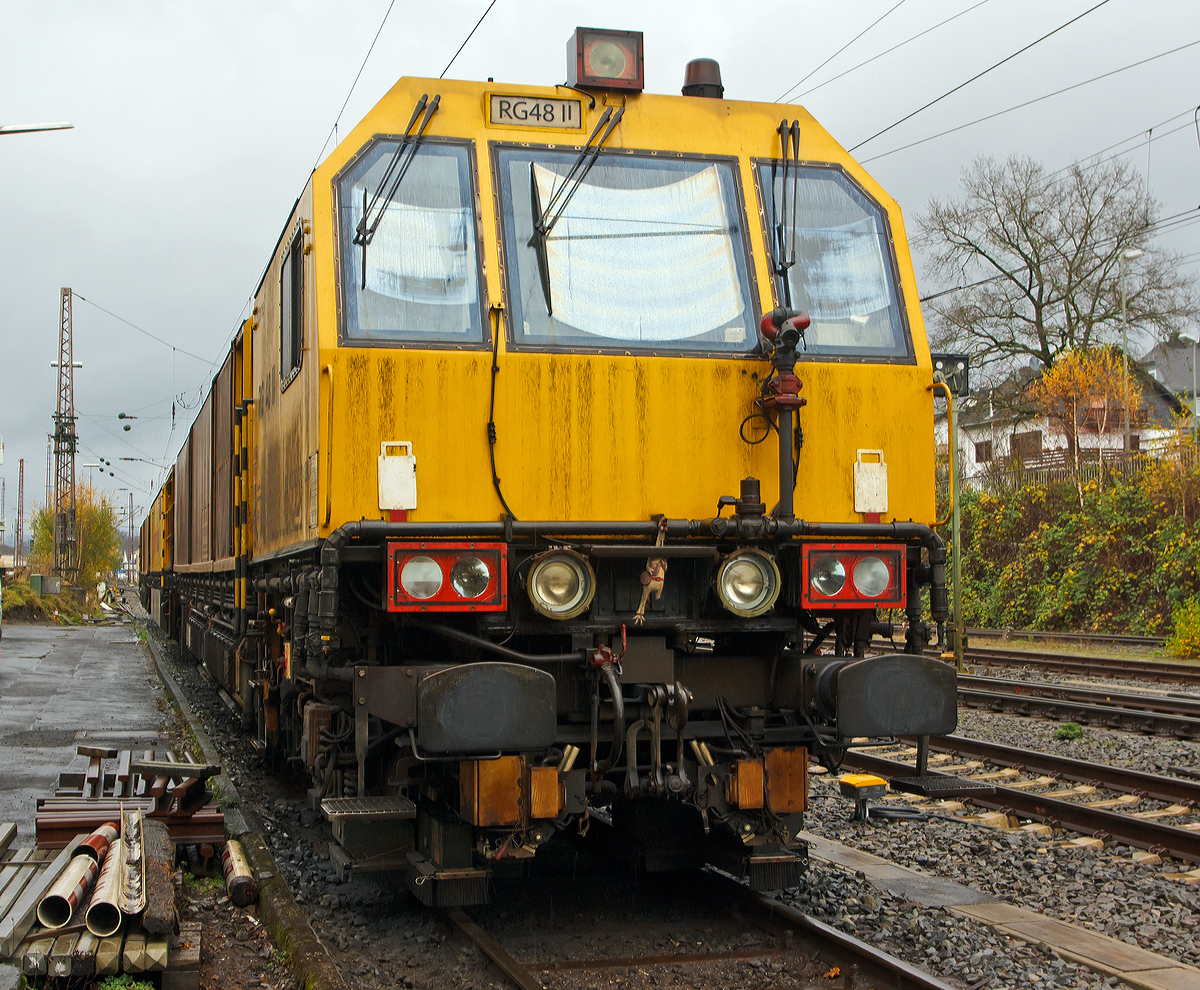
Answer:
x=871 y=577
x=748 y=583
x=561 y=584
x=607 y=59
x=470 y=577
x=421 y=577
x=827 y=575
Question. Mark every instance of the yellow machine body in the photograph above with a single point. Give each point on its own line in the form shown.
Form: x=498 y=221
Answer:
x=580 y=435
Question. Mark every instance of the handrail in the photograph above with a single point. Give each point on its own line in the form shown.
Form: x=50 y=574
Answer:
x=328 y=370
x=953 y=440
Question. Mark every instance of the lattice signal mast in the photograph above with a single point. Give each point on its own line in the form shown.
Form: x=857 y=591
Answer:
x=20 y=537
x=66 y=558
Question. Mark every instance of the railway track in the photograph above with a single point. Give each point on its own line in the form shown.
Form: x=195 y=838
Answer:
x=1166 y=715
x=1068 y=637
x=797 y=942
x=1028 y=785
x=1087 y=666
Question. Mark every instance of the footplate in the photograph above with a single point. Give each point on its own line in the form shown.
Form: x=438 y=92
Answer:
x=941 y=786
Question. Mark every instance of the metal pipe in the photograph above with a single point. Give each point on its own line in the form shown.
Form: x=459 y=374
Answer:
x=96 y=844
x=239 y=880
x=69 y=889
x=609 y=676
x=103 y=916
x=133 y=864
x=787 y=468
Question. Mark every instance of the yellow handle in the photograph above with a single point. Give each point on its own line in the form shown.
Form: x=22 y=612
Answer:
x=328 y=370
x=953 y=440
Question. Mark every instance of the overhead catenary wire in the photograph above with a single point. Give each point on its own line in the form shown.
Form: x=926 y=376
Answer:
x=1169 y=224
x=333 y=130
x=980 y=75
x=886 y=51
x=122 y=319
x=1037 y=99
x=1094 y=160
x=839 y=51
x=471 y=34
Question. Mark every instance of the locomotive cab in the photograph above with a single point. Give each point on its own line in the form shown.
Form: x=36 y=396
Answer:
x=577 y=448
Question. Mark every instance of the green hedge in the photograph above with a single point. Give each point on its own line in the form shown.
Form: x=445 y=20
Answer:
x=1122 y=556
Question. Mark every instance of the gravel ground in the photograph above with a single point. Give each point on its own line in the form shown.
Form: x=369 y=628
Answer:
x=1151 y=754
x=959 y=950
x=380 y=937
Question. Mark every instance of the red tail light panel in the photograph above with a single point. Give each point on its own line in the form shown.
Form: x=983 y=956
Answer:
x=853 y=575
x=427 y=576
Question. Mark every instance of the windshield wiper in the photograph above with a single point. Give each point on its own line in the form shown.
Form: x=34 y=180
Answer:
x=789 y=139
x=402 y=158
x=545 y=219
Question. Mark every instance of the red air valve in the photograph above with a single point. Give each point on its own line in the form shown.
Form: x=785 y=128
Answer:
x=785 y=393
x=773 y=322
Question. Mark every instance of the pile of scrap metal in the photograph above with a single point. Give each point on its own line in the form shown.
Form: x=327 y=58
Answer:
x=169 y=790
x=103 y=905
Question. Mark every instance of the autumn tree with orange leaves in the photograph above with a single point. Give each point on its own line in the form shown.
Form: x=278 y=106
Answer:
x=1087 y=392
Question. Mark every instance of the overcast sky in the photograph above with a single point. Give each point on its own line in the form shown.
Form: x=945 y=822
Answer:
x=196 y=125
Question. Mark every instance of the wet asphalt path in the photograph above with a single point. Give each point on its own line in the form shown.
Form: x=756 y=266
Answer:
x=65 y=687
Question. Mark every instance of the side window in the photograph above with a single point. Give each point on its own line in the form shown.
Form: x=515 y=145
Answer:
x=291 y=311
x=408 y=247
x=833 y=258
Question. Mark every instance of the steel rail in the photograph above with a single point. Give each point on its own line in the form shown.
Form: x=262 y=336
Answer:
x=832 y=946
x=1014 y=697
x=1098 y=822
x=1117 y=639
x=1167 y=704
x=878 y=968
x=1152 y=785
x=1088 y=666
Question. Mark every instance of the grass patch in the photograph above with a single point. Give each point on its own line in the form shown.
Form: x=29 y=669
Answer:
x=1069 y=731
x=21 y=604
x=125 y=982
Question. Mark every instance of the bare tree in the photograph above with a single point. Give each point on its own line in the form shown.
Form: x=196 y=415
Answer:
x=1030 y=261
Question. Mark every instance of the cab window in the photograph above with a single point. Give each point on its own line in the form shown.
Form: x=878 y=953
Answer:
x=291 y=311
x=416 y=279
x=646 y=254
x=842 y=270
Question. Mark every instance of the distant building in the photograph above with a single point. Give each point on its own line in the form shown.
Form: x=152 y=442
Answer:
x=1171 y=365
x=1003 y=434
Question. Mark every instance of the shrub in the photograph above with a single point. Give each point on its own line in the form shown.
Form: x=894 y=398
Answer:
x=1184 y=640
x=1069 y=731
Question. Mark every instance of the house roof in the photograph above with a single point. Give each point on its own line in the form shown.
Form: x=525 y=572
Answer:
x=1009 y=404
x=1170 y=363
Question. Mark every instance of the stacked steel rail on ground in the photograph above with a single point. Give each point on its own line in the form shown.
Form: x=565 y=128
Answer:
x=166 y=789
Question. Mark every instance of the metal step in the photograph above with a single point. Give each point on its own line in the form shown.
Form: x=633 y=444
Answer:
x=941 y=786
x=379 y=809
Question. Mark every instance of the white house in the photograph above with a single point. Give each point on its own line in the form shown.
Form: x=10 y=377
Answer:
x=1002 y=432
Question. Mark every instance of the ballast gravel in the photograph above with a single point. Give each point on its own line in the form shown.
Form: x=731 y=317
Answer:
x=1097 y=889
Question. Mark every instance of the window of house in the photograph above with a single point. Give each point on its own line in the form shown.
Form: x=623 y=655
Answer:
x=983 y=451
x=1027 y=445
x=291 y=311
